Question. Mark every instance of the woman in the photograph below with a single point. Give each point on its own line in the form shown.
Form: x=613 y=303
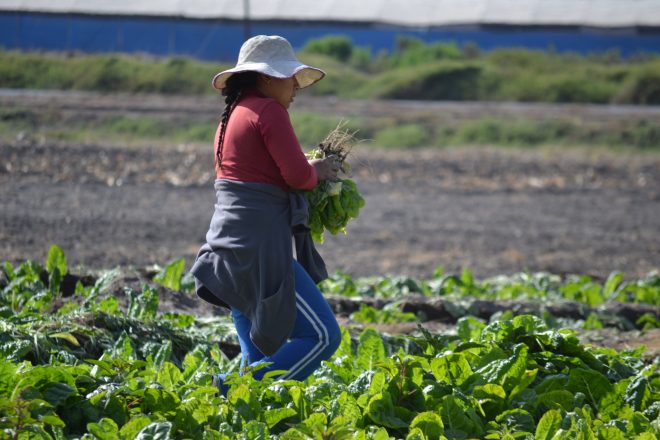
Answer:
x=247 y=262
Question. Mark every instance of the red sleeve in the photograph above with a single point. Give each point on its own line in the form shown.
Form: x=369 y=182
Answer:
x=284 y=148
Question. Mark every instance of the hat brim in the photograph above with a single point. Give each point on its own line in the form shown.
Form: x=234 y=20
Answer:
x=305 y=75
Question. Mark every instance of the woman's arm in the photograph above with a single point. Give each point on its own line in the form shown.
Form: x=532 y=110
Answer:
x=284 y=148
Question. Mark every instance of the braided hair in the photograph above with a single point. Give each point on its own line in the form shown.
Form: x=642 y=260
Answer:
x=233 y=90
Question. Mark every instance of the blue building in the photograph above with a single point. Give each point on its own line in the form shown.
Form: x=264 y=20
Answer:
x=215 y=29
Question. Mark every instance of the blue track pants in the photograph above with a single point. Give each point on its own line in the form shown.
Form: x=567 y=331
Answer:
x=315 y=337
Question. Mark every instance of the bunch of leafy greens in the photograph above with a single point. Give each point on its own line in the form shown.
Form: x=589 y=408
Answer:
x=333 y=203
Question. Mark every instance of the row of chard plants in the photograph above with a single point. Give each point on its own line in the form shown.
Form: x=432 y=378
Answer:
x=104 y=363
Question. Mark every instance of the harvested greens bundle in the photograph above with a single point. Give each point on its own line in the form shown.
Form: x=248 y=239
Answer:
x=333 y=203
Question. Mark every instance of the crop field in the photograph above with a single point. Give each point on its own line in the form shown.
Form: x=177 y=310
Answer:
x=90 y=356
x=501 y=282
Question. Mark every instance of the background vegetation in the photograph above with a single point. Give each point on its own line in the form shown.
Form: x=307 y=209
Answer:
x=404 y=131
x=415 y=70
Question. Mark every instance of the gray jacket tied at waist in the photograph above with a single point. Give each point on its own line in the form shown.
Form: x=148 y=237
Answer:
x=247 y=261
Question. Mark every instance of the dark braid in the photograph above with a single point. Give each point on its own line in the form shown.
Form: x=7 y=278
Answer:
x=233 y=90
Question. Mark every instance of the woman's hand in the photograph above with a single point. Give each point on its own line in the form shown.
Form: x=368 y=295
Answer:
x=326 y=169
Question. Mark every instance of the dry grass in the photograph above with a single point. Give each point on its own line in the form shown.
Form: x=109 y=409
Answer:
x=339 y=143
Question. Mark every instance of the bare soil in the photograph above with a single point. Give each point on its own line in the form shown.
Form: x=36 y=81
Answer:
x=494 y=211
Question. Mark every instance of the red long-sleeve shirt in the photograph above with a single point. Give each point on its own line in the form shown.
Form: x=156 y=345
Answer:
x=261 y=146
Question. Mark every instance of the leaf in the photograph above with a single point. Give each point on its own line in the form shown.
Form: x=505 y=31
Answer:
x=105 y=429
x=163 y=355
x=15 y=350
x=381 y=410
x=469 y=328
x=516 y=419
x=244 y=401
x=133 y=427
x=345 y=347
x=592 y=322
x=379 y=434
x=156 y=400
x=56 y=260
x=349 y=407
x=593 y=384
x=66 y=336
x=57 y=393
x=459 y=419
x=611 y=284
x=557 y=399
x=274 y=416
x=593 y=295
x=43 y=377
x=104 y=281
x=255 y=430
x=169 y=376
x=491 y=397
x=9 y=271
x=101 y=368
x=143 y=306
x=507 y=372
x=523 y=382
x=548 y=425
x=416 y=434
x=377 y=383
x=638 y=424
x=316 y=422
x=370 y=349
x=490 y=391
x=123 y=348
x=155 y=431
x=8 y=377
x=552 y=383
x=54 y=281
x=171 y=275
x=638 y=393
x=180 y=320
x=611 y=433
x=451 y=368
x=613 y=403
x=298 y=399
x=430 y=424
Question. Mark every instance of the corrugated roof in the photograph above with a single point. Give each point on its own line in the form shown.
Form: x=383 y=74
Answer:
x=418 y=13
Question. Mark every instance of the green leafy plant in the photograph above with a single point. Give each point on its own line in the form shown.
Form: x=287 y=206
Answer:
x=131 y=372
x=390 y=314
x=170 y=276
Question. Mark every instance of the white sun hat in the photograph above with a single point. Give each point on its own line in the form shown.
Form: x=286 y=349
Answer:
x=273 y=56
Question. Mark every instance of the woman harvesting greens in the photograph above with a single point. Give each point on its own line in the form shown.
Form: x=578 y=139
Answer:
x=247 y=262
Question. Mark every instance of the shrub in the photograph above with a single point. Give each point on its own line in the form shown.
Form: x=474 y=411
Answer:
x=413 y=52
x=579 y=88
x=338 y=47
x=642 y=88
x=485 y=131
x=529 y=133
x=416 y=70
x=443 y=80
x=407 y=135
x=196 y=132
x=143 y=127
x=342 y=80
x=361 y=59
x=176 y=75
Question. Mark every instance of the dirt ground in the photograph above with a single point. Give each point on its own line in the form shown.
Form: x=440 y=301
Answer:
x=494 y=211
